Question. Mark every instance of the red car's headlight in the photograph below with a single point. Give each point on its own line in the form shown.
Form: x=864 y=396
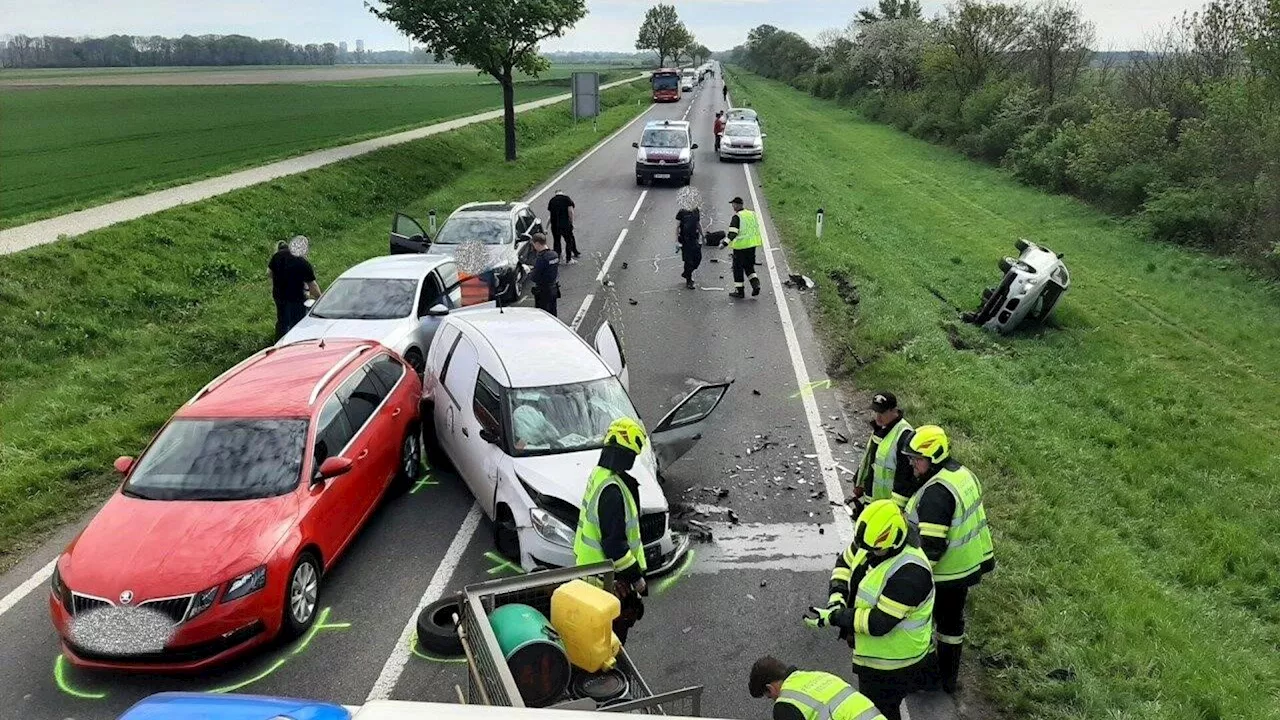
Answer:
x=202 y=601
x=248 y=583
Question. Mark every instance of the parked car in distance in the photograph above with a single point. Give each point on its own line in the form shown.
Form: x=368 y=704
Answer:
x=742 y=140
x=503 y=229
x=397 y=300
x=688 y=79
x=220 y=536
x=525 y=433
x=665 y=152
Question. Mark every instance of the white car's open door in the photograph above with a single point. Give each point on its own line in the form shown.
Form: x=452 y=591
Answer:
x=610 y=349
x=682 y=428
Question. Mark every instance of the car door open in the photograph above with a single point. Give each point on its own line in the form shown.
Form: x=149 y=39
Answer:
x=407 y=236
x=682 y=428
x=609 y=348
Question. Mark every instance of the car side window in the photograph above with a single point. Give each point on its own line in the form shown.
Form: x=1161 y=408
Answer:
x=361 y=394
x=333 y=432
x=388 y=370
x=432 y=294
x=488 y=403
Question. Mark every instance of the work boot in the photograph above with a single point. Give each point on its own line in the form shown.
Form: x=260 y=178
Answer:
x=949 y=666
x=755 y=286
x=689 y=284
x=737 y=294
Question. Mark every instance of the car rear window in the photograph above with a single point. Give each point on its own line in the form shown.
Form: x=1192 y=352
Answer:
x=236 y=459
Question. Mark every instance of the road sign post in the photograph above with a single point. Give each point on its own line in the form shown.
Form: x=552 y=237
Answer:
x=586 y=95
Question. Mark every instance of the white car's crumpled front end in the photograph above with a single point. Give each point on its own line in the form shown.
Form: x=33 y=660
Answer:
x=547 y=541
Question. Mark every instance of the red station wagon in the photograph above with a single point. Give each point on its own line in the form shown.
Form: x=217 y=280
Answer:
x=219 y=537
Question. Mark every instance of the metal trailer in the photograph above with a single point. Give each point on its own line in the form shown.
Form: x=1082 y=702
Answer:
x=489 y=680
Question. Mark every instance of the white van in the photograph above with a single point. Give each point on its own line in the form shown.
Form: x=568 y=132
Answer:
x=688 y=79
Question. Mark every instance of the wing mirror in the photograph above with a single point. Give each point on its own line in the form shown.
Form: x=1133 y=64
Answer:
x=438 y=310
x=488 y=436
x=123 y=464
x=333 y=467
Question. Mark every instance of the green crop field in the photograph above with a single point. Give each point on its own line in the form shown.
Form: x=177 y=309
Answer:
x=62 y=148
x=107 y=333
x=1130 y=451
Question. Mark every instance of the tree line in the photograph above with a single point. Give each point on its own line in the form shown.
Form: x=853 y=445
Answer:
x=1184 y=136
x=23 y=51
x=665 y=33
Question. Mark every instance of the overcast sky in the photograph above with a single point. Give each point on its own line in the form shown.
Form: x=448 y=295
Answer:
x=610 y=24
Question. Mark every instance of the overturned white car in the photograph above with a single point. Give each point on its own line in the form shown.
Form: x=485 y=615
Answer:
x=1033 y=283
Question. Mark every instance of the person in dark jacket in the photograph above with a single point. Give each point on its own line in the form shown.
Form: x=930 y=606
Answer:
x=689 y=234
x=560 y=209
x=546 y=275
x=293 y=280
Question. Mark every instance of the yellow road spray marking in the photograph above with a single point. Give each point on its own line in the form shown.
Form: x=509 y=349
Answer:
x=413 y=648
x=60 y=676
x=808 y=389
x=667 y=582
x=502 y=564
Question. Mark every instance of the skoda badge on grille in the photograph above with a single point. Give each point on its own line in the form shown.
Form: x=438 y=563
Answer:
x=126 y=597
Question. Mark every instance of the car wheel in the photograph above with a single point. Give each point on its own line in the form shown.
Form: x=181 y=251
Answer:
x=1006 y=265
x=410 y=459
x=302 y=596
x=640 y=180
x=436 y=459
x=437 y=633
x=506 y=536
x=1022 y=245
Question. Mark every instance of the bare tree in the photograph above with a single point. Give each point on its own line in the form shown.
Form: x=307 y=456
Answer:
x=1058 y=40
x=1218 y=34
x=982 y=39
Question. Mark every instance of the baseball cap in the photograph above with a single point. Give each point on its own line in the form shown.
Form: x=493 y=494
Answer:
x=736 y=201
x=766 y=670
x=884 y=401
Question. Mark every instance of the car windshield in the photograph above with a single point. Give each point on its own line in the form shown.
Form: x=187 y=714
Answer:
x=487 y=230
x=742 y=115
x=566 y=418
x=665 y=82
x=664 y=138
x=221 y=460
x=366 y=299
x=742 y=130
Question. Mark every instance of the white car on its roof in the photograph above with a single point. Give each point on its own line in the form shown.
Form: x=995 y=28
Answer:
x=397 y=300
x=519 y=404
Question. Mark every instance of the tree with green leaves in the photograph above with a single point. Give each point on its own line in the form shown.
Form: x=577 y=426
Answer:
x=890 y=10
x=663 y=32
x=499 y=37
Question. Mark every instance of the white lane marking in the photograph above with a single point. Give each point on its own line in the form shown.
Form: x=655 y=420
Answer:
x=844 y=525
x=394 y=667
x=582 y=312
x=542 y=191
x=39 y=578
x=604 y=269
x=636 y=209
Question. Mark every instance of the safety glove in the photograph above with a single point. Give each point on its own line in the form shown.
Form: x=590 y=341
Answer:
x=817 y=617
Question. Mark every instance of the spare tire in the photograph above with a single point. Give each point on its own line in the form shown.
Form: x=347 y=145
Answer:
x=436 y=632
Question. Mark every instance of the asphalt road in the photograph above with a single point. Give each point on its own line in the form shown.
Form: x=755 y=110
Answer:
x=743 y=593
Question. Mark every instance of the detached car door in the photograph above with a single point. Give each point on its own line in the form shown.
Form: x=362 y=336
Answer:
x=682 y=428
x=407 y=236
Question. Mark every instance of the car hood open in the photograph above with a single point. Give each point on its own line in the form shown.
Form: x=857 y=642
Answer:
x=565 y=476
x=160 y=548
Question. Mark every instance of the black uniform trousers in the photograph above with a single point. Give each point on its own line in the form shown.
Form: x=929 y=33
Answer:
x=744 y=265
x=545 y=297
x=888 y=688
x=288 y=314
x=565 y=232
x=948 y=620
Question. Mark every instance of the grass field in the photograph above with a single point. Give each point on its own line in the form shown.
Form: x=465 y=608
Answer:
x=1130 y=451
x=68 y=147
x=107 y=333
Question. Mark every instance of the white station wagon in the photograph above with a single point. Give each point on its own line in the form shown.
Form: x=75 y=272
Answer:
x=518 y=403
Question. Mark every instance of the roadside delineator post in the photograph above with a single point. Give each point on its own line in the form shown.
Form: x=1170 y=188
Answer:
x=818 y=229
x=431 y=221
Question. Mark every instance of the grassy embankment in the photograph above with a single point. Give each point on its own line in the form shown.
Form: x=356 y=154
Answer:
x=1129 y=451
x=64 y=148
x=107 y=333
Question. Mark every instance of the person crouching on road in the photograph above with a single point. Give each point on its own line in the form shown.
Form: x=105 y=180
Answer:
x=293 y=280
x=609 y=521
x=689 y=233
x=881 y=598
x=807 y=695
x=885 y=471
x=545 y=276
x=947 y=512
x=743 y=237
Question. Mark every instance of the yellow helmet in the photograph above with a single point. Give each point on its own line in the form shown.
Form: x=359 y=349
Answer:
x=929 y=441
x=627 y=433
x=880 y=526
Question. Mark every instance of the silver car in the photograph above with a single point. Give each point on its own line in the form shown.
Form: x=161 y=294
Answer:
x=742 y=114
x=742 y=140
x=1033 y=284
x=397 y=300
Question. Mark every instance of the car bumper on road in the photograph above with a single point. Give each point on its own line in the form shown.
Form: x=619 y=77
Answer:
x=650 y=173
x=218 y=635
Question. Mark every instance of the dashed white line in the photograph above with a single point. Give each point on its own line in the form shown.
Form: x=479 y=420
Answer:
x=39 y=578
x=394 y=667
x=581 y=315
x=635 y=210
x=543 y=190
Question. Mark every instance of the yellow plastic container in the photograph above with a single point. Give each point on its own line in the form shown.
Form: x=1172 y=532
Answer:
x=583 y=614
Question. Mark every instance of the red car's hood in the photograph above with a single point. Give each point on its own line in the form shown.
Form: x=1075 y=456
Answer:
x=158 y=548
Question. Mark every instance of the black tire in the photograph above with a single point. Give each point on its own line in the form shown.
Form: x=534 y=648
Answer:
x=413 y=356
x=1022 y=245
x=410 y=460
x=301 y=596
x=1006 y=265
x=436 y=459
x=506 y=536
x=437 y=634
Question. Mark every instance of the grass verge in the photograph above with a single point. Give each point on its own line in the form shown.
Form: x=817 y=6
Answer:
x=65 y=148
x=1128 y=450
x=108 y=332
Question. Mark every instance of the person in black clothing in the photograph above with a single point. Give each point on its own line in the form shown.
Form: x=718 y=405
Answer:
x=560 y=208
x=545 y=276
x=724 y=92
x=292 y=281
x=689 y=236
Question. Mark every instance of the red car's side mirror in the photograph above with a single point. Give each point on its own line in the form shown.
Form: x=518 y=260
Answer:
x=334 y=466
x=124 y=464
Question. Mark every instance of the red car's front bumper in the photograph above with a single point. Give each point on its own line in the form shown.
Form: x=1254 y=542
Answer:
x=215 y=636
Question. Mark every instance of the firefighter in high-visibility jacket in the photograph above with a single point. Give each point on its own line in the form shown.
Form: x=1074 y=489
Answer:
x=808 y=695
x=884 y=473
x=609 y=520
x=881 y=598
x=743 y=237
x=947 y=513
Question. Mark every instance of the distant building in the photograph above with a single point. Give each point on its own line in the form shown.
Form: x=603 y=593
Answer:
x=342 y=47
x=359 y=46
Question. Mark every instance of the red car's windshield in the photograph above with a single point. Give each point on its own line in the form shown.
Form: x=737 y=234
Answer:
x=221 y=460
